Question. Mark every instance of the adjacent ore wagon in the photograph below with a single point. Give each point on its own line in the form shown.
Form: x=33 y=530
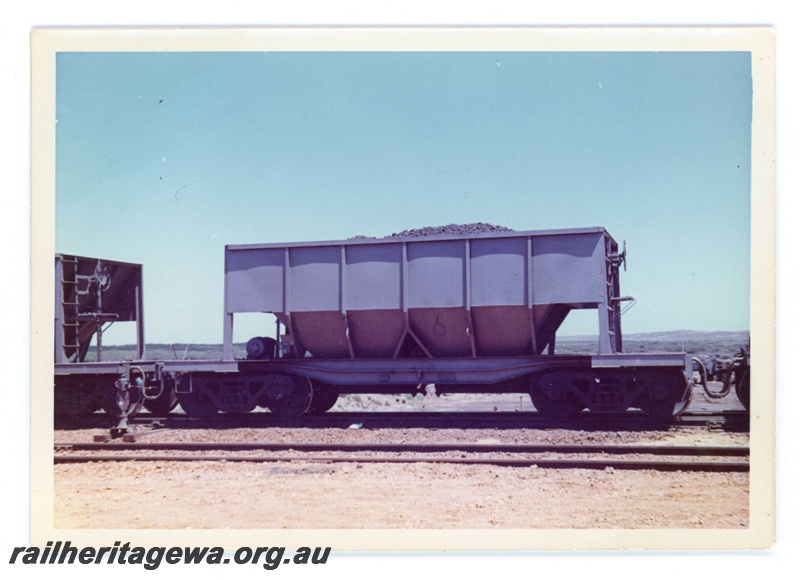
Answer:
x=465 y=313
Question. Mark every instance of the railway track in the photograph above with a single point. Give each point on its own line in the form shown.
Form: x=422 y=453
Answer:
x=736 y=421
x=639 y=457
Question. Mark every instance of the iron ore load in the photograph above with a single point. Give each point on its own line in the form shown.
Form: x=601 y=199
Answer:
x=466 y=312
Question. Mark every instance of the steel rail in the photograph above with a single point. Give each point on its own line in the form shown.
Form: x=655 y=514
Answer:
x=531 y=419
x=584 y=415
x=719 y=451
x=636 y=464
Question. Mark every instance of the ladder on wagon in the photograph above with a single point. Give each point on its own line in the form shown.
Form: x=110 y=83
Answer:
x=80 y=307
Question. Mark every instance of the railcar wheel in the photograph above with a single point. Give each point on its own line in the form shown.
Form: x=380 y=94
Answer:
x=323 y=398
x=662 y=395
x=743 y=389
x=196 y=405
x=552 y=395
x=165 y=402
x=288 y=395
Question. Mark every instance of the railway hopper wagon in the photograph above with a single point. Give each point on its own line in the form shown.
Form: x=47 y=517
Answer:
x=463 y=313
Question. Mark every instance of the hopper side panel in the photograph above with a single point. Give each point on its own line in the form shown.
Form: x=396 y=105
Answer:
x=569 y=269
x=436 y=274
x=254 y=280
x=316 y=279
x=376 y=333
x=502 y=330
x=374 y=277
x=323 y=334
x=498 y=272
x=443 y=331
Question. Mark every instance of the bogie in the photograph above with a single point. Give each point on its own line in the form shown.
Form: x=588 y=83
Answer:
x=566 y=392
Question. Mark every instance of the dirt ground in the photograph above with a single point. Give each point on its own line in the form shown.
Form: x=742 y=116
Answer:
x=284 y=495
x=423 y=495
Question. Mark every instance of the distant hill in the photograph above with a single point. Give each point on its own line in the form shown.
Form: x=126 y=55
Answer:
x=689 y=341
x=673 y=335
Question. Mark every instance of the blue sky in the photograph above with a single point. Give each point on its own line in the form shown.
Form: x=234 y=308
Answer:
x=163 y=158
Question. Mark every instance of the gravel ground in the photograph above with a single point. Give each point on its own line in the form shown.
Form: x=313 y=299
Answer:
x=424 y=495
x=678 y=437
